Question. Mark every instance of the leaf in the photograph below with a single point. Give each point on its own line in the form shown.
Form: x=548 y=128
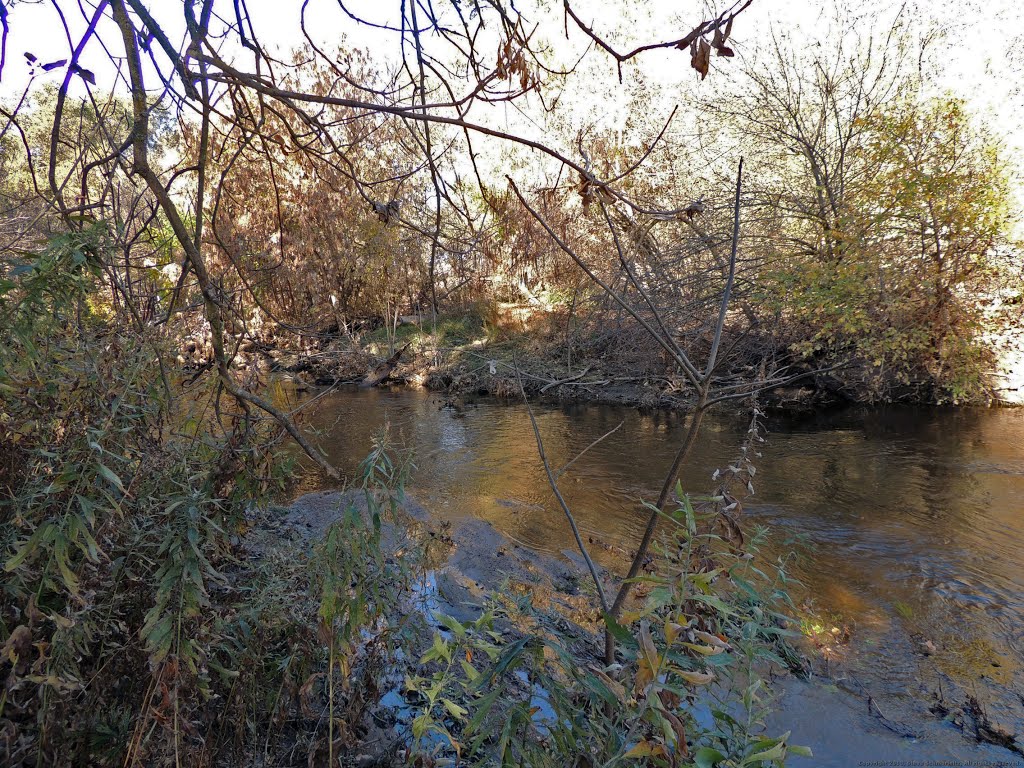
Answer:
x=469 y=670
x=718 y=42
x=704 y=650
x=715 y=603
x=714 y=640
x=42 y=533
x=706 y=757
x=650 y=651
x=509 y=657
x=642 y=749
x=452 y=624
x=32 y=59
x=85 y=74
x=159 y=639
x=614 y=687
x=111 y=477
x=775 y=753
x=618 y=631
x=420 y=725
x=18 y=644
x=672 y=631
x=482 y=708
x=700 y=57
x=456 y=711
x=695 y=678
x=54 y=65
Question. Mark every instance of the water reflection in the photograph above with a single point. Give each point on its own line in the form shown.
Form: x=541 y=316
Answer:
x=915 y=518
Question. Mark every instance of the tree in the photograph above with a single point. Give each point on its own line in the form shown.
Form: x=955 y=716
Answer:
x=935 y=216
x=877 y=212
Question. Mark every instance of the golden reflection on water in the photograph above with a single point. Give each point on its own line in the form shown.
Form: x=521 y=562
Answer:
x=917 y=508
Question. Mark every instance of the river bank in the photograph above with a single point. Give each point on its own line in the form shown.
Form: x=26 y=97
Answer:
x=467 y=563
x=465 y=356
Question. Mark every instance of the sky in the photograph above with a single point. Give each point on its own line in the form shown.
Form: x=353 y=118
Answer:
x=979 y=53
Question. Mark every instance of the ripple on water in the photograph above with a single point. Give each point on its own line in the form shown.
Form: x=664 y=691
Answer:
x=913 y=519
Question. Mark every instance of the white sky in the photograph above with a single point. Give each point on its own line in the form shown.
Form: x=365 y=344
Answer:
x=980 y=54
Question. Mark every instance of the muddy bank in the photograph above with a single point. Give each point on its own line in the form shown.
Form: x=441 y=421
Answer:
x=455 y=570
x=475 y=371
x=465 y=561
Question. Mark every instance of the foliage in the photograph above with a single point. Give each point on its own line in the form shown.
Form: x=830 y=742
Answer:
x=134 y=628
x=916 y=249
x=688 y=689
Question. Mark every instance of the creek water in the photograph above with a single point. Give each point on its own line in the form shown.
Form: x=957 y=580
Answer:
x=907 y=527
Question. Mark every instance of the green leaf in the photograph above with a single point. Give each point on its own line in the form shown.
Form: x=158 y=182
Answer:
x=715 y=603
x=483 y=708
x=420 y=725
x=159 y=639
x=456 y=711
x=452 y=624
x=28 y=548
x=618 y=631
x=111 y=477
x=706 y=757
x=469 y=670
x=510 y=656
x=774 y=753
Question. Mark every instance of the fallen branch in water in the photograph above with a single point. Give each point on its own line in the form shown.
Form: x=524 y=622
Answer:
x=381 y=374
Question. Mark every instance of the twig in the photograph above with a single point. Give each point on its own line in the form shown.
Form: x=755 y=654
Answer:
x=553 y=482
x=723 y=309
x=579 y=455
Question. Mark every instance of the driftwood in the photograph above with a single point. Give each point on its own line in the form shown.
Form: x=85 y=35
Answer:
x=575 y=377
x=382 y=372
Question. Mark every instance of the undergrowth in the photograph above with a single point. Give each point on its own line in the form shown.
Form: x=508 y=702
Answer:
x=141 y=625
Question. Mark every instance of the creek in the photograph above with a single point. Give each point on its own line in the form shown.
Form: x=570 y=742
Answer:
x=907 y=526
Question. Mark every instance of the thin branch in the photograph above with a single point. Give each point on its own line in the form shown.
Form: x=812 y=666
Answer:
x=553 y=482
x=683 y=43
x=210 y=298
x=579 y=455
x=677 y=354
x=713 y=355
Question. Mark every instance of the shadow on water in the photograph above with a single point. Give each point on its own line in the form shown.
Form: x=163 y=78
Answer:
x=910 y=521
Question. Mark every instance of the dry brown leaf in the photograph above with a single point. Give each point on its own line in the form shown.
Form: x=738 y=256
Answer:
x=718 y=41
x=700 y=57
x=309 y=699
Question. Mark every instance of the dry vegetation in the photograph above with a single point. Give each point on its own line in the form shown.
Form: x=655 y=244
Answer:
x=173 y=234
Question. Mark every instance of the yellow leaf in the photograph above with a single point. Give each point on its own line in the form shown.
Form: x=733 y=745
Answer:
x=642 y=749
x=696 y=678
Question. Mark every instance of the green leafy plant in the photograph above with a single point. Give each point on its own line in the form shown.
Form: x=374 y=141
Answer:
x=359 y=585
x=688 y=686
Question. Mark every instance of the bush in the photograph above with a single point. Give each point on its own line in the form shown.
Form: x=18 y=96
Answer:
x=688 y=687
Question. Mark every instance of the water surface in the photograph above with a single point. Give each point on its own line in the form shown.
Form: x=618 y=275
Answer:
x=909 y=522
